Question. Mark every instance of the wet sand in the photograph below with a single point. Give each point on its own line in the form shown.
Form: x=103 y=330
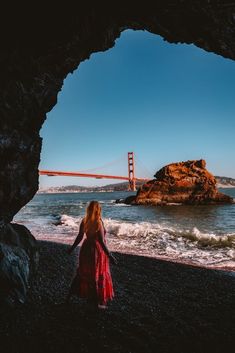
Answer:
x=159 y=306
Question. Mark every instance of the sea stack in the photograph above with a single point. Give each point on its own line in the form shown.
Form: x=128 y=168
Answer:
x=181 y=183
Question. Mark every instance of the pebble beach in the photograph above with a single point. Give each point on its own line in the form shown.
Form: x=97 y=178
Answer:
x=159 y=306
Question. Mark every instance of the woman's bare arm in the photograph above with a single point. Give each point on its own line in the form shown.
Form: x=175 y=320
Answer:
x=101 y=241
x=78 y=238
x=103 y=245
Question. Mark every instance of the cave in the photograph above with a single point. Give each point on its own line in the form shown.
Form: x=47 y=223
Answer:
x=41 y=45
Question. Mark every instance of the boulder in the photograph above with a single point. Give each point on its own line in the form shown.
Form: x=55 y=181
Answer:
x=181 y=183
x=128 y=200
x=19 y=258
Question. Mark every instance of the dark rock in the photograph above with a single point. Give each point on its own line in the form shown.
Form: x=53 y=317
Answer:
x=18 y=260
x=36 y=58
x=120 y=201
x=40 y=46
x=185 y=183
x=130 y=200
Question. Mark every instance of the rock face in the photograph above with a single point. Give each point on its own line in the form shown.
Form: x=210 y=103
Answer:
x=185 y=183
x=18 y=260
x=41 y=45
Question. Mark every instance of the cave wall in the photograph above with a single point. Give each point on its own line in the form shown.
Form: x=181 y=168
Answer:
x=41 y=45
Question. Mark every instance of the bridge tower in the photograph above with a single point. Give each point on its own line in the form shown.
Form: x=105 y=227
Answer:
x=131 y=171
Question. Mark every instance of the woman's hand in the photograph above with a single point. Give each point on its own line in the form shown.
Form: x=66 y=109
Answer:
x=112 y=259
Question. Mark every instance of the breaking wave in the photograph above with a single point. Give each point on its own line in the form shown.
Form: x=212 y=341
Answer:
x=155 y=239
x=198 y=235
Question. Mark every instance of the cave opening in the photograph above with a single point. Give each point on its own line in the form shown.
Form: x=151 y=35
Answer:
x=167 y=102
x=158 y=120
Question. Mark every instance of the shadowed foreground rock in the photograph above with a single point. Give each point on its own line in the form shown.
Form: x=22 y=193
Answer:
x=185 y=182
x=42 y=43
x=18 y=260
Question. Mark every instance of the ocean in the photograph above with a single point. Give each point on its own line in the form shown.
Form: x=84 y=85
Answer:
x=199 y=235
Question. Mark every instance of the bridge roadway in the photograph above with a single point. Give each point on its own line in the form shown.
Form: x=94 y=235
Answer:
x=86 y=175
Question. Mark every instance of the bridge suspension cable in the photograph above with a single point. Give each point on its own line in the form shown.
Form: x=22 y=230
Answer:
x=106 y=165
x=131 y=178
x=143 y=168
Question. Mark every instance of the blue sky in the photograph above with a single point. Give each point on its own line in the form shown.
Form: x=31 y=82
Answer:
x=165 y=102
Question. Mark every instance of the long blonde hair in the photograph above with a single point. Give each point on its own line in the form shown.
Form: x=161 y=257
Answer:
x=92 y=220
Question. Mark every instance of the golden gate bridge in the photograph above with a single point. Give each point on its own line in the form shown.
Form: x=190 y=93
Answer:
x=131 y=178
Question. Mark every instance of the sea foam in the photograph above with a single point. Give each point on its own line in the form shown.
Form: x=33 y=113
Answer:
x=159 y=240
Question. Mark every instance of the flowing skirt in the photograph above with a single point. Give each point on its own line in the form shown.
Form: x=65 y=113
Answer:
x=93 y=278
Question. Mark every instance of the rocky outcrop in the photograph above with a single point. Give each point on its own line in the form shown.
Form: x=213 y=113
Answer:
x=181 y=183
x=41 y=45
x=18 y=261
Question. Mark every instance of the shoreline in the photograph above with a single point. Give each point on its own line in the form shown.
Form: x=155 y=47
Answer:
x=136 y=252
x=174 y=307
x=179 y=261
x=220 y=186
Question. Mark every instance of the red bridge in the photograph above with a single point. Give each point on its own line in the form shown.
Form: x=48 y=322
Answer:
x=131 y=174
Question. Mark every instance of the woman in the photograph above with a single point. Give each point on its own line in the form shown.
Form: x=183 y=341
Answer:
x=93 y=279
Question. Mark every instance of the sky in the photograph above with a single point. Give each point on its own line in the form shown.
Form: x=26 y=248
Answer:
x=165 y=102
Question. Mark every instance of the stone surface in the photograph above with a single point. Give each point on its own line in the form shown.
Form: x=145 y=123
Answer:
x=185 y=183
x=41 y=45
x=18 y=261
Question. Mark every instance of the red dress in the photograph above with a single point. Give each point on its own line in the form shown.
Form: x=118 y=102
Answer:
x=93 y=278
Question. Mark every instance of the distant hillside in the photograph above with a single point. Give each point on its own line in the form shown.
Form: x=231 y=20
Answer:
x=221 y=182
x=77 y=188
x=225 y=181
